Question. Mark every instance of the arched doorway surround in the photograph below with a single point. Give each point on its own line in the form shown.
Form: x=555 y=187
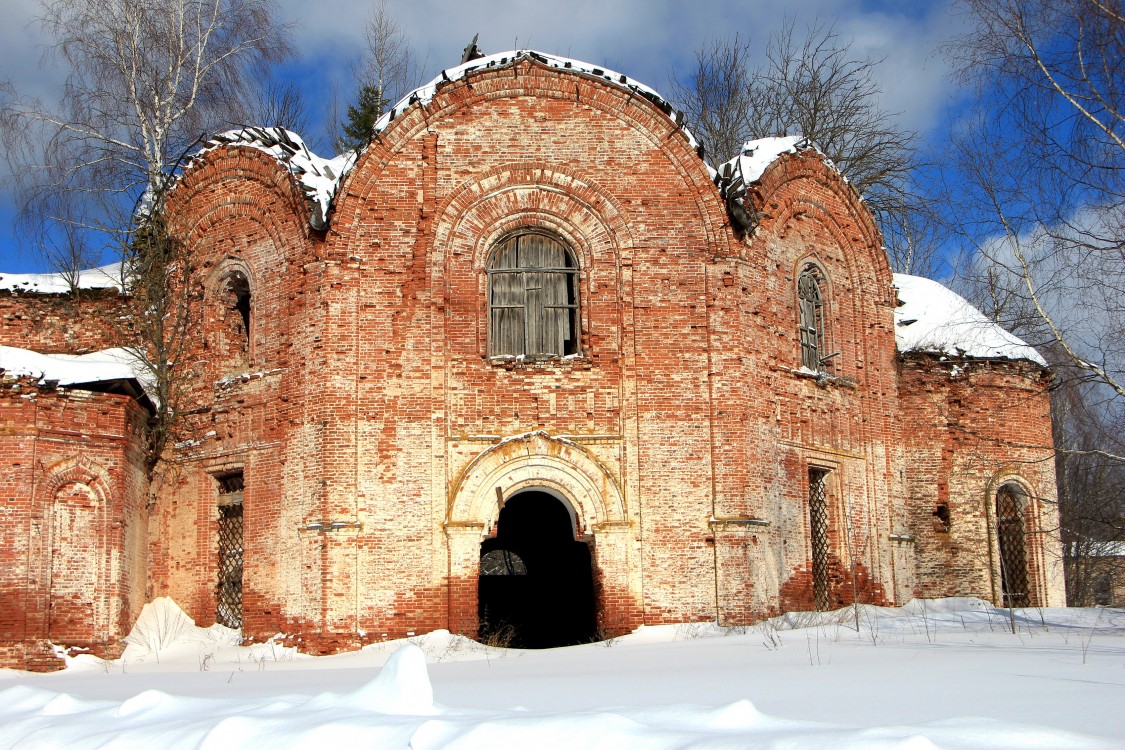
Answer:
x=80 y=584
x=1015 y=543
x=561 y=469
x=536 y=579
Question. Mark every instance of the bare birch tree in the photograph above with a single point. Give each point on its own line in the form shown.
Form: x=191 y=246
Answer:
x=1040 y=160
x=386 y=71
x=1042 y=170
x=145 y=79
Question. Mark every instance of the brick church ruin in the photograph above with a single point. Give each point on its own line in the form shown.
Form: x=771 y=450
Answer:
x=529 y=368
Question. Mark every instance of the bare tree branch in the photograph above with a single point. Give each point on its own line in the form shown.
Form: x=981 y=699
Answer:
x=813 y=84
x=387 y=70
x=1040 y=162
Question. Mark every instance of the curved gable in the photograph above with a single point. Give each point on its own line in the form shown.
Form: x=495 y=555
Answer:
x=802 y=184
x=576 y=122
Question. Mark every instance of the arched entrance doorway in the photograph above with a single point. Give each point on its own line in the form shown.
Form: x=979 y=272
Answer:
x=536 y=582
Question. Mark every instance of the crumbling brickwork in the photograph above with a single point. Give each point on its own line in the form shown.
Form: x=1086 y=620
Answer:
x=61 y=323
x=974 y=428
x=346 y=375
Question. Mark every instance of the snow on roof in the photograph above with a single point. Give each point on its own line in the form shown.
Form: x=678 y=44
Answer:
x=318 y=177
x=69 y=369
x=932 y=318
x=424 y=94
x=1109 y=549
x=759 y=154
x=103 y=277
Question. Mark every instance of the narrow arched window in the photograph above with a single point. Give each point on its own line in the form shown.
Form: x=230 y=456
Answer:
x=810 y=300
x=234 y=316
x=237 y=298
x=1011 y=532
x=532 y=298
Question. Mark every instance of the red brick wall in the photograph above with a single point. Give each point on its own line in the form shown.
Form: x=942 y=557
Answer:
x=381 y=394
x=970 y=427
x=73 y=558
x=682 y=436
x=60 y=323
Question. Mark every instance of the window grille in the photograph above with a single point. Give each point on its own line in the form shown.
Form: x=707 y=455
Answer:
x=502 y=562
x=1012 y=538
x=228 y=593
x=532 y=298
x=1103 y=590
x=818 y=532
x=229 y=484
x=811 y=304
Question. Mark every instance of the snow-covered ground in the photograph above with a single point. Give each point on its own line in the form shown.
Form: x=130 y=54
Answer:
x=945 y=673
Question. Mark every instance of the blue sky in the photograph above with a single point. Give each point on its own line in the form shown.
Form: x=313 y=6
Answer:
x=645 y=39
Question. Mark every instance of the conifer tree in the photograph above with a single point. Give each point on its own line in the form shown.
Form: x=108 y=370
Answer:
x=357 y=129
x=386 y=71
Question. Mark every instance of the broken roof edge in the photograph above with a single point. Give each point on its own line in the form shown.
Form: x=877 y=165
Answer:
x=319 y=178
x=933 y=319
x=115 y=370
x=735 y=175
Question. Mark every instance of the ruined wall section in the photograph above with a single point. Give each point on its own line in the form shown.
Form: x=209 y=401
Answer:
x=775 y=422
x=73 y=521
x=257 y=408
x=970 y=427
x=62 y=323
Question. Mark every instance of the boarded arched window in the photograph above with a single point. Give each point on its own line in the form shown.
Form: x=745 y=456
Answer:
x=810 y=301
x=532 y=298
x=1011 y=531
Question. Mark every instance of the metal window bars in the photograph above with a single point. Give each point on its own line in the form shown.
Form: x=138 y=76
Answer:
x=818 y=532
x=228 y=590
x=1012 y=541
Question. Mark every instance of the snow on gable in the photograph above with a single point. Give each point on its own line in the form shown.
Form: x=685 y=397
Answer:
x=318 y=177
x=103 y=277
x=424 y=94
x=932 y=318
x=734 y=176
x=69 y=369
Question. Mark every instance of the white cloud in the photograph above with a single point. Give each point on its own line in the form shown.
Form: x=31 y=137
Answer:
x=645 y=39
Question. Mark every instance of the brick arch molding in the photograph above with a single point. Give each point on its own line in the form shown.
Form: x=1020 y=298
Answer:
x=77 y=470
x=536 y=461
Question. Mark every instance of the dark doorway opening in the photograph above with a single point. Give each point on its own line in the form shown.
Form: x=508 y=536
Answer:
x=536 y=583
